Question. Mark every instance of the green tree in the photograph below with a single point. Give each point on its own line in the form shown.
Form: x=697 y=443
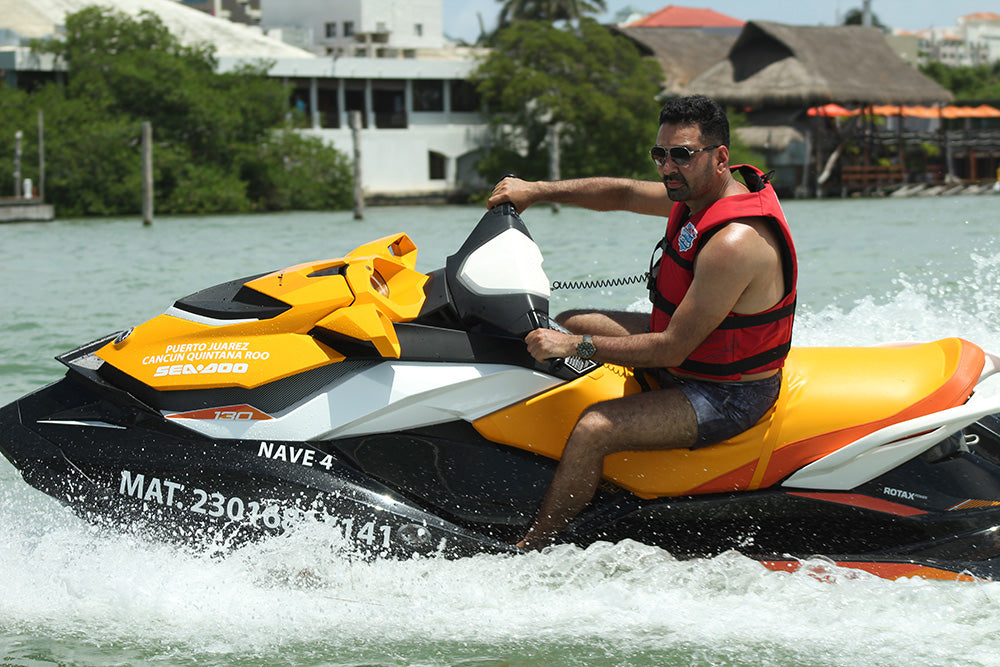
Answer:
x=857 y=16
x=291 y=171
x=547 y=10
x=739 y=152
x=220 y=139
x=977 y=82
x=594 y=84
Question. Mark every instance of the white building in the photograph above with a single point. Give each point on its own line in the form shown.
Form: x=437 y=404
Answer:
x=982 y=29
x=357 y=28
x=389 y=60
x=421 y=123
x=974 y=40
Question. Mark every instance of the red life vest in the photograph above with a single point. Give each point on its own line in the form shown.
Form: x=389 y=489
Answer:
x=743 y=343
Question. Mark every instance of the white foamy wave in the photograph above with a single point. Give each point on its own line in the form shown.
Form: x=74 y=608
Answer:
x=921 y=308
x=609 y=604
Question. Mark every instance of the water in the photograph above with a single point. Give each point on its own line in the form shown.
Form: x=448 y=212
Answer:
x=871 y=271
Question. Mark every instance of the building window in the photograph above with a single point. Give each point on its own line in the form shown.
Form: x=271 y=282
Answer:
x=428 y=95
x=418 y=29
x=380 y=27
x=300 y=115
x=389 y=105
x=331 y=29
x=348 y=28
x=464 y=96
x=354 y=100
x=435 y=166
x=327 y=105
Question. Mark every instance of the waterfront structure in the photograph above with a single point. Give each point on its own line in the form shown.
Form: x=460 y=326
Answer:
x=685 y=41
x=974 y=40
x=778 y=71
x=708 y=21
x=421 y=123
x=421 y=126
x=357 y=28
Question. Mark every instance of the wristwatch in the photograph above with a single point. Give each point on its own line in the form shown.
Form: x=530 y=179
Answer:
x=585 y=349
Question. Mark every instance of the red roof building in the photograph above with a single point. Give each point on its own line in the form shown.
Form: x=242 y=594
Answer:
x=673 y=16
x=979 y=16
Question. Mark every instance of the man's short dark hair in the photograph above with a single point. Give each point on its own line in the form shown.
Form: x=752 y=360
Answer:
x=701 y=111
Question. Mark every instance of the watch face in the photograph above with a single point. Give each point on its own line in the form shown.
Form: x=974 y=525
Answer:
x=585 y=350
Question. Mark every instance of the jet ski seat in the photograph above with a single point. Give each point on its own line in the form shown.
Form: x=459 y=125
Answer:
x=830 y=397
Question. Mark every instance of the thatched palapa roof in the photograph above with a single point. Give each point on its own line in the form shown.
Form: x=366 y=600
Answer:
x=777 y=65
x=683 y=53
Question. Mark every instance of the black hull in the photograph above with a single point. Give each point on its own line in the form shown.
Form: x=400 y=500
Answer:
x=445 y=490
x=130 y=469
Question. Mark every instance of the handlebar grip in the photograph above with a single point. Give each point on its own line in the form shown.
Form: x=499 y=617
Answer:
x=506 y=208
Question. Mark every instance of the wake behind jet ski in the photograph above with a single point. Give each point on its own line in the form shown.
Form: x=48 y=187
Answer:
x=401 y=409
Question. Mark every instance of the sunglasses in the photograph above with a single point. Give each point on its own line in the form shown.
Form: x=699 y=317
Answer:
x=680 y=155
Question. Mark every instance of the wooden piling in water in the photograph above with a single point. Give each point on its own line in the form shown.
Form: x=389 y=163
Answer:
x=147 y=173
x=554 y=158
x=41 y=155
x=17 y=164
x=359 y=197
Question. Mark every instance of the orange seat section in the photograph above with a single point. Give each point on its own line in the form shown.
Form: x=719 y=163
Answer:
x=829 y=398
x=833 y=396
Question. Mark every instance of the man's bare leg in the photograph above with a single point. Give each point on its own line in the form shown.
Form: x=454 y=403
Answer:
x=661 y=419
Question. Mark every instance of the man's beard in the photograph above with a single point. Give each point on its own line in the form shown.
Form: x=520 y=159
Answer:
x=681 y=193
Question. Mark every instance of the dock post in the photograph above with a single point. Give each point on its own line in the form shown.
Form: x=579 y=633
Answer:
x=554 y=157
x=17 y=164
x=41 y=155
x=359 y=197
x=147 y=173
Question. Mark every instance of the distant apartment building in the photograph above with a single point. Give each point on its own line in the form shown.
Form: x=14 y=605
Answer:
x=389 y=61
x=974 y=40
x=357 y=28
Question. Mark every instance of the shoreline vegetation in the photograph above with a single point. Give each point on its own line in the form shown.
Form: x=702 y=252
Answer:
x=221 y=142
x=228 y=143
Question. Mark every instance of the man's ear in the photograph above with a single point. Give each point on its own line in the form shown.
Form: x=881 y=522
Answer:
x=722 y=159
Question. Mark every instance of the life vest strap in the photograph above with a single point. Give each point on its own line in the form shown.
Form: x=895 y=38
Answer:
x=733 y=321
x=740 y=366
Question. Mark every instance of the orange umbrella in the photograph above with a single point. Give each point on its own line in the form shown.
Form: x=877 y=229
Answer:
x=986 y=111
x=952 y=111
x=922 y=112
x=888 y=110
x=982 y=111
x=909 y=111
x=831 y=111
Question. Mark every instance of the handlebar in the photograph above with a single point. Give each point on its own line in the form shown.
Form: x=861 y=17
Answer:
x=506 y=208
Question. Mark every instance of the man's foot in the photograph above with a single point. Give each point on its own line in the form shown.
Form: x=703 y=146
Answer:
x=534 y=542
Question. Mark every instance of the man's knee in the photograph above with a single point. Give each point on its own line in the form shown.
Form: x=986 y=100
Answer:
x=593 y=431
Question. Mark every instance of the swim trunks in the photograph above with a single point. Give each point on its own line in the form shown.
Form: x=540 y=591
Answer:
x=723 y=409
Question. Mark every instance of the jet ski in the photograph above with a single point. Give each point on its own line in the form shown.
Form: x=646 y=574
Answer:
x=401 y=410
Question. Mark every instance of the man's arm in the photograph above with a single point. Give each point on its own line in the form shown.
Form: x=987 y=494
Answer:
x=597 y=193
x=724 y=270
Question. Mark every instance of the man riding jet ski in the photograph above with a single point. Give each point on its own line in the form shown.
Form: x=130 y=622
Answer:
x=403 y=411
x=723 y=295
